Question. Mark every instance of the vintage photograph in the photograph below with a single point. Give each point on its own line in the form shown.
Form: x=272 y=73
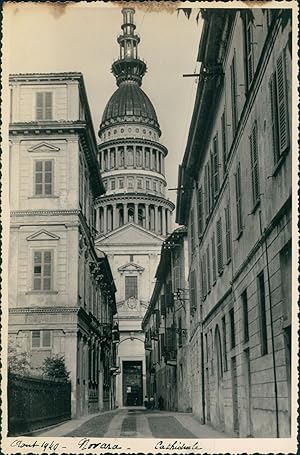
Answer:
x=150 y=226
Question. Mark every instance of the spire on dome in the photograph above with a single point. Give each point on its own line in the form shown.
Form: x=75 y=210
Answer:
x=128 y=67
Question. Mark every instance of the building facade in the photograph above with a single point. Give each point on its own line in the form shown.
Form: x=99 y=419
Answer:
x=61 y=292
x=238 y=162
x=134 y=216
x=167 y=328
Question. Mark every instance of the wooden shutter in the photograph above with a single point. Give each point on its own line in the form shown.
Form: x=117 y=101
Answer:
x=48 y=106
x=215 y=182
x=219 y=245
x=192 y=229
x=228 y=232
x=254 y=164
x=213 y=255
x=163 y=305
x=206 y=191
x=283 y=133
x=249 y=50
x=204 y=275
x=238 y=199
x=233 y=94
x=208 y=268
x=200 y=211
x=224 y=140
x=39 y=106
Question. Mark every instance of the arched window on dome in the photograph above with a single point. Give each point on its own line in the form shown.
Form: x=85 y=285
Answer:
x=139 y=157
x=130 y=213
x=101 y=219
x=154 y=160
x=109 y=218
x=121 y=157
x=141 y=215
x=130 y=156
x=112 y=158
x=121 y=215
x=147 y=158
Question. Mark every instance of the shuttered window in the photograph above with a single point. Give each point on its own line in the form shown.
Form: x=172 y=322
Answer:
x=224 y=343
x=219 y=246
x=233 y=94
x=200 y=211
x=213 y=256
x=42 y=270
x=163 y=305
x=279 y=108
x=44 y=106
x=206 y=190
x=204 y=269
x=224 y=140
x=193 y=291
x=254 y=164
x=43 y=177
x=215 y=167
x=208 y=268
x=131 y=288
x=228 y=232
x=192 y=225
x=238 y=195
x=249 y=49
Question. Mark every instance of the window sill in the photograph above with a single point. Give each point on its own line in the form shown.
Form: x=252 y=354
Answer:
x=41 y=292
x=43 y=197
x=228 y=261
x=280 y=162
x=48 y=348
x=214 y=282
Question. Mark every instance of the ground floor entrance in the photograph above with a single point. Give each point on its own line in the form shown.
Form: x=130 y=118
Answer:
x=132 y=383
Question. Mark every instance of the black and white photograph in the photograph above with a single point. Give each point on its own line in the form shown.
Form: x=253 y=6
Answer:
x=149 y=210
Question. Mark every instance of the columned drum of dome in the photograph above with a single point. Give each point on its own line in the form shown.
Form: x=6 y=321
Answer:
x=134 y=215
x=131 y=158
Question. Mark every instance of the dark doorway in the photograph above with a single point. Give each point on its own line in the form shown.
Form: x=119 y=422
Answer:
x=132 y=383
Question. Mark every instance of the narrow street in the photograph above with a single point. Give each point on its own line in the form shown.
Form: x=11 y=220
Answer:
x=137 y=423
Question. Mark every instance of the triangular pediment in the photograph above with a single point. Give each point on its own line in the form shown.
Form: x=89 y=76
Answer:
x=44 y=147
x=130 y=234
x=131 y=267
x=43 y=235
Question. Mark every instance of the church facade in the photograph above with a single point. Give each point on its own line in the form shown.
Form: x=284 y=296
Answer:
x=134 y=215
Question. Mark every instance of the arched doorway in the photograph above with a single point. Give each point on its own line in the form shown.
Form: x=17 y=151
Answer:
x=219 y=379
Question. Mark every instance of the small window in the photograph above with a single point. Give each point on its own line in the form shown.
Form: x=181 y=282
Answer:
x=130 y=184
x=44 y=106
x=121 y=183
x=131 y=289
x=43 y=177
x=113 y=185
x=224 y=342
x=40 y=339
x=147 y=184
x=228 y=232
x=154 y=186
x=233 y=81
x=42 y=270
x=139 y=184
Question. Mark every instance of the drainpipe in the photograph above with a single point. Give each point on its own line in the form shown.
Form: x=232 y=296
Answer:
x=271 y=323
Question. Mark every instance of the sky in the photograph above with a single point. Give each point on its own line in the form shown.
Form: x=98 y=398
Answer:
x=82 y=37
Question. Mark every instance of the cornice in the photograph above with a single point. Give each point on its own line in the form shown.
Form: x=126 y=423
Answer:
x=42 y=77
x=25 y=310
x=120 y=141
x=44 y=212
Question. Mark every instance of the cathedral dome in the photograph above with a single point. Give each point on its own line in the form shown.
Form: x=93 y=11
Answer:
x=129 y=102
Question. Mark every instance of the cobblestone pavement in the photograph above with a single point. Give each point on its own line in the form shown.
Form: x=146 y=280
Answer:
x=137 y=423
